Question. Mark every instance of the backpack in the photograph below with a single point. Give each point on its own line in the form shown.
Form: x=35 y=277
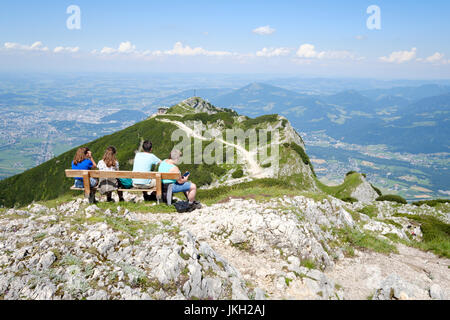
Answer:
x=126 y=183
x=183 y=206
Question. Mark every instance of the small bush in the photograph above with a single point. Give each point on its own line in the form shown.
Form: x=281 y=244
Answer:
x=431 y=203
x=299 y=151
x=308 y=263
x=370 y=211
x=238 y=174
x=260 y=120
x=392 y=198
x=349 y=199
x=377 y=190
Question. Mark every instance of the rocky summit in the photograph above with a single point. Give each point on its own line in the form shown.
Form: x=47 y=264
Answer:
x=304 y=246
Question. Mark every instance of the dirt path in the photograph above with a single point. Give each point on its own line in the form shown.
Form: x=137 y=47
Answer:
x=254 y=169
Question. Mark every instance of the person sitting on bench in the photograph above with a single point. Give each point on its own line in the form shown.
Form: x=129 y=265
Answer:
x=109 y=163
x=182 y=184
x=143 y=162
x=83 y=160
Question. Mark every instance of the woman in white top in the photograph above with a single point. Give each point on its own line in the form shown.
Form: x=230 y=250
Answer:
x=109 y=163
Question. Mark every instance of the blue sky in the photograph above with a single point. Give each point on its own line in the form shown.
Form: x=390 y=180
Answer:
x=315 y=38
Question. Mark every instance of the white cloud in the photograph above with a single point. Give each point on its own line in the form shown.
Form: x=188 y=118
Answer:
x=180 y=50
x=66 y=49
x=308 y=51
x=437 y=57
x=360 y=37
x=124 y=47
x=264 y=31
x=273 y=52
x=108 y=50
x=400 y=56
x=37 y=46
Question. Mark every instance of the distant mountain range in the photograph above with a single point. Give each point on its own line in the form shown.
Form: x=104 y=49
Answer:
x=410 y=119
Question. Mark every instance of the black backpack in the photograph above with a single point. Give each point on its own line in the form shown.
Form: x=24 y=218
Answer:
x=183 y=206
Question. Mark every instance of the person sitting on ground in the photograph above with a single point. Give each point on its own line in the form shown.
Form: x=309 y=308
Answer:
x=83 y=160
x=143 y=162
x=182 y=184
x=109 y=163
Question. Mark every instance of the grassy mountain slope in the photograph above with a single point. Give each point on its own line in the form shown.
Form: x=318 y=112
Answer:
x=345 y=190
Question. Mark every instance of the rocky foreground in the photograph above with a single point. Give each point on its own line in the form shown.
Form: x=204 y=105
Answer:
x=285 y=248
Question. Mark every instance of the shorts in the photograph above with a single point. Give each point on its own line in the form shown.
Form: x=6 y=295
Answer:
x=145 y=186
x=79 y=183
x=181 y=187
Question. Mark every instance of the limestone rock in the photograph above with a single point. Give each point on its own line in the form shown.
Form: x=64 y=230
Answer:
x=395 y=288
x=47 y=260
x=364 y=192
x=436 y=292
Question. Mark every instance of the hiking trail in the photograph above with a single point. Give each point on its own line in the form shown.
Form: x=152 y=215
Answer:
x=254 y=169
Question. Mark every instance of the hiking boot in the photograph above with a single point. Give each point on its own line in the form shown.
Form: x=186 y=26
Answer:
x=194 y=206
x=197 y=205
x=191 y=207
x=92 y=198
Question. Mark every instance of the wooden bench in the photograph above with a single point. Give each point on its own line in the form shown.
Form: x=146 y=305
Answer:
x=87 y=174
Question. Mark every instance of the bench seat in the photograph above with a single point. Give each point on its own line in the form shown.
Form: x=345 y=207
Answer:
x=123 y=190
x=87 y=174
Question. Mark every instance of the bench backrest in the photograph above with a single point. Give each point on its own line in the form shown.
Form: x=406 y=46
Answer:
x=86 y=174
x=121 y=174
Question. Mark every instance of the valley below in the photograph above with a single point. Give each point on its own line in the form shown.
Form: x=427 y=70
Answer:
x=413 y=176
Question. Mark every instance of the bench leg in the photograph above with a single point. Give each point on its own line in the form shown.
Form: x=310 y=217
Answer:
x=158 y=187
x=87 y=185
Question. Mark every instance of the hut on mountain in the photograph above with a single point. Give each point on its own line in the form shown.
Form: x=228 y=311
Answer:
x=162 y=110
